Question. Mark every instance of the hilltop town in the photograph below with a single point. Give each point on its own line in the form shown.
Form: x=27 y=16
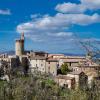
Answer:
x=66 y=71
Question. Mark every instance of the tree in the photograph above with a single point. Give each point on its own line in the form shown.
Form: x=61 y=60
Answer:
x=64 y=68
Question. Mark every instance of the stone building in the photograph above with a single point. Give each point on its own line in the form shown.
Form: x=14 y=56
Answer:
x=13 y=61
x=52 y=66
x=72 y=61
x=44 y=65
x=65 y=81
x=81 y=79
x=38 y=64
x=24 y=63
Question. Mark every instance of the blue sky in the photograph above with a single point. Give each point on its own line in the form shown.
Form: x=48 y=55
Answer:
x=50 y=25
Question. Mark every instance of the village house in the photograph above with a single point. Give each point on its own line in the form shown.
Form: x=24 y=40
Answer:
x=81 y=79
x=91 y=72
x=38 y=64
x=11 y=61
x=52 y=66
x=44 y=65
x=65 y=81
x=72 y=61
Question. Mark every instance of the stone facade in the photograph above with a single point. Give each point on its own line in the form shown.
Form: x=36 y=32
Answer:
x=65 y=81
x=81 y=79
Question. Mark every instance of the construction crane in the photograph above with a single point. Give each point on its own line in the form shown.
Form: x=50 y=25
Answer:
x=91 y=50
x=92 y=53
x=87 y=47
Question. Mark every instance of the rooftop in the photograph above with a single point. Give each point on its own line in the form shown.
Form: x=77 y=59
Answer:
x=72 y=60
x=76 y=72
x=64 y=77
x=38 y=58
x=52 y=59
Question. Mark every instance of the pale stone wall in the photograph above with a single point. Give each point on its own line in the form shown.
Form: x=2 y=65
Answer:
x=39 y=65
x=51 y=67
x=19 y=47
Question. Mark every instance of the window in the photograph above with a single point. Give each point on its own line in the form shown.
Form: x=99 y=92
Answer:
x=65 y=85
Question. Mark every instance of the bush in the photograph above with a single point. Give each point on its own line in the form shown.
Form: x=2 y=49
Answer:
x=64 y=69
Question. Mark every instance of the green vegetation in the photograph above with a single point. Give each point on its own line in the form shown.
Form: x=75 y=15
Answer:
x=64 y=69
x=42 y=87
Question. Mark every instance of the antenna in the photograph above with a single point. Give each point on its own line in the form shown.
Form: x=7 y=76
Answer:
x=22 y=36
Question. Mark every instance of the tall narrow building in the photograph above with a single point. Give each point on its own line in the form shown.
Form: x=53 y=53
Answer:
x=19 y=46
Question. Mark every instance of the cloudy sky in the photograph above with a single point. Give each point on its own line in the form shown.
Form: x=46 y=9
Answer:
x=54 y=26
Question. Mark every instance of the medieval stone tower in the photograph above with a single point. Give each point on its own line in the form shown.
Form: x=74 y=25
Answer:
x=19 y=46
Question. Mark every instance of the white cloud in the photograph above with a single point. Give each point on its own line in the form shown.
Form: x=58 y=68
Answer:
x=33 y=16
x=58 y=22
x=78 y=8
x=61 y=34
x=54 y=30
x=42 y=29
x=70 y=8
x=5 y=12
x=91 y=4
